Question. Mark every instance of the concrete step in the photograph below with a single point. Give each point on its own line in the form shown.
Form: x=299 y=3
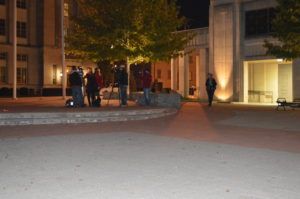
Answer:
x=12 y=119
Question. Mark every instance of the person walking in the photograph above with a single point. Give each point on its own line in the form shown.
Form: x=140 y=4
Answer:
x=146 y=83
x=76 y=84
x=211 y=86
x=91 y=86
x=122 y=80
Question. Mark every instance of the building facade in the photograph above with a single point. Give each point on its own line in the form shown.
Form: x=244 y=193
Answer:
x=38 y=44
x=232 y=49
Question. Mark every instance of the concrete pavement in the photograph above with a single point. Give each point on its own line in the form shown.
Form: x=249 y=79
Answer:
x=135 y=166
x=188 y=155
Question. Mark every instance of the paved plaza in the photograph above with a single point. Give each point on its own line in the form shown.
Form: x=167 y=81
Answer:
x=223 y=152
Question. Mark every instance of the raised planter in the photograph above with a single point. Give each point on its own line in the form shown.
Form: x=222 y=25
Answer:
x=159 y=99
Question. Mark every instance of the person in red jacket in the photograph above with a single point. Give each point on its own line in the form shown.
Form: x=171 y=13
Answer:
x=146 y=83
x=99 y=79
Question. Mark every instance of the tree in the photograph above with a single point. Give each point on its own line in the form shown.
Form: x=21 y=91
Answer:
x=141 y=30
x=286 y=30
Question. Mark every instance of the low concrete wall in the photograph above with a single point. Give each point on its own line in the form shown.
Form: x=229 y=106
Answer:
x=159 y=99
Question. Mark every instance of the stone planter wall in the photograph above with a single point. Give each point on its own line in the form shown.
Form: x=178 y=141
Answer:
x=159 y=99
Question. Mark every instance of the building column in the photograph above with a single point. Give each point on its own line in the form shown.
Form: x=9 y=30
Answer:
x=64 y=74
x=14 y=48
x=211 y=36
x=173 y=75
x=201 y=74
x=296 y=78
x=184 y=75
x=238 y=74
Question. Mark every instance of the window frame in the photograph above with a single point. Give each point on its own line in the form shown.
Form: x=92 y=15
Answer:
x=259 y=22
x=21 y=29
x=22 y=4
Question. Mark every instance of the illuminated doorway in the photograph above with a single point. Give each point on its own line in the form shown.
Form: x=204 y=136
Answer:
x=267 y=80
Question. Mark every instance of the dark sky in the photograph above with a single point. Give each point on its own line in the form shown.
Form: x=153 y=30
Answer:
x=196 y=11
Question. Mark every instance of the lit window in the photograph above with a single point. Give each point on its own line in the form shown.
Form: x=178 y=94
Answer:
x=54 y=79
x=21 y=75
x=22 y=68
x=66 y=9
x=2 y=27
x=21 y=4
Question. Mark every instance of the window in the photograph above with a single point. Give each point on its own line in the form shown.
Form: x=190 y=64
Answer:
x=2 y=2
x=22 y=68
x=21 y=4
x=21 y=75
x=54 y=78
x=259 y=22
x=22 y=57
x=3 y=68
x=159 y=74
x=2 y=27
x=66 y=9
x=169 y=74
x=21 y=29
x=3 y=56
x=3 y=74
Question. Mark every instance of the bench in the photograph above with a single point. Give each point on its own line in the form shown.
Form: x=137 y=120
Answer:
x=281 y=102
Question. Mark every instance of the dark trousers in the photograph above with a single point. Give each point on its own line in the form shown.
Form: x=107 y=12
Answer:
x=123 y=92
x=77 y=96
x=210 y=94
x=90 y=96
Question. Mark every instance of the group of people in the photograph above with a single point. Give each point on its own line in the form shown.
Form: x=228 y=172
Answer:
x=94 y=83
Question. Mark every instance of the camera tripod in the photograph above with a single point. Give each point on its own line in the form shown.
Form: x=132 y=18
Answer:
x=112 y=91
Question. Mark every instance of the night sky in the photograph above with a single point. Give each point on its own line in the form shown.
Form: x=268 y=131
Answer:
x=196 y=11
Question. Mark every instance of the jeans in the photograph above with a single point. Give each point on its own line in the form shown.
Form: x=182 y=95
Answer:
x=77 y=96
x=147 y=96
x=123 y=92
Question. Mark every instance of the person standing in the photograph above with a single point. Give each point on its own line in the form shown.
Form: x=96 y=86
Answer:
x=146 y=83
x=99 y=80
x=211 y=86
x=76 y=84
x=91 y=86
x=122 y=80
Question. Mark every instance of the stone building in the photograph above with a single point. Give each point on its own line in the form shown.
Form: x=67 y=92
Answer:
x=232 y=49
x=38 y=44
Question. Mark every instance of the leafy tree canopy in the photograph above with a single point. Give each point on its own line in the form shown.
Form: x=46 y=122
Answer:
x=287 y=30
x=142 y=30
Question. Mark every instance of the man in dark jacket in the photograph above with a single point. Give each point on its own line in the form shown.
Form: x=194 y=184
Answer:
x=122 y=80
x=91 y=86
x=211 y=86
x=76 y=84
x=146 y=81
